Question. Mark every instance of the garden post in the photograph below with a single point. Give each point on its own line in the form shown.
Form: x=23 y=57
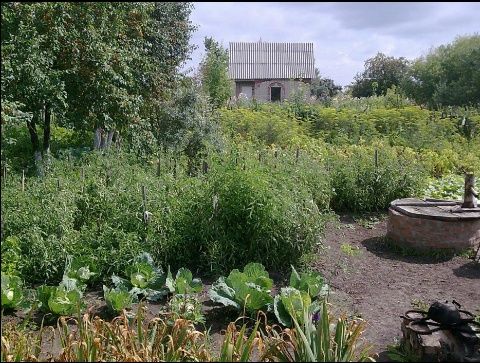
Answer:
x=470 y=194
x=158 y=167
x=23 y=180
x=82 y=178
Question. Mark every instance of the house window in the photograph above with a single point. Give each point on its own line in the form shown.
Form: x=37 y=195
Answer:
x=275 y=94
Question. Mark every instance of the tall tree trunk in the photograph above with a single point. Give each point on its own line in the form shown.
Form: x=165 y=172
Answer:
x=46 y=130
x=102 y=141
x=98 y=138
x=110 y=138
x=37 y=153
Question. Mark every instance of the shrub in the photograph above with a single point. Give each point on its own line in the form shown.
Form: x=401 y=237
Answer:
x=359 y=185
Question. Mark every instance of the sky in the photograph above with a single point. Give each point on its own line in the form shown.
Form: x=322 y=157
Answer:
x=345 y=35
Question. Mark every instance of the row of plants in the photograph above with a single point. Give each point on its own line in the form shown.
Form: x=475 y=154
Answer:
x=444 y=144
x=320 y=338
x=93 y=206
x=300 y=307
x=248 y=291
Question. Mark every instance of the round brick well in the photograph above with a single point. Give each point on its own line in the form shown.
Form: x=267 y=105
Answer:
x=433 y=224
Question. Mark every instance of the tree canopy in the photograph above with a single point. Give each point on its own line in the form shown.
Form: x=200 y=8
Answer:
x=214 y=73
x=381 y=73
x=98 y=65
x=447 y=75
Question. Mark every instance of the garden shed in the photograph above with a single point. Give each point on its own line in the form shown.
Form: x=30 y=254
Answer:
x=267 y=71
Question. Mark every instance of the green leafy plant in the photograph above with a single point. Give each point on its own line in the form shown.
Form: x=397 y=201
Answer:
x=79 y=269
x=249 y=290
x=145 y=279
x=186 y=307
x=184 y=283
x=66 y=298
x=309 y=282
x=237 y=346
x=118 y=299
x=12 y=294
x=291 y=303
x=318 y=339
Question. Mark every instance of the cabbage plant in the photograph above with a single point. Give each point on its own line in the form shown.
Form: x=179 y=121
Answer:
x=302 y=295
x=184 y=283
x=249 y=290
x=118 y=299
x=144 y=279
x=12 y=294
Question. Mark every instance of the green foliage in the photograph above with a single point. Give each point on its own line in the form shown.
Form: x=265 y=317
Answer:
x=117 y=299
x=361 y=185
x=184 y=283
x=249 y=290
x=448 y=187
x=146 y=279
x=310 y=282
x=269 y=125
x=214 y=73
x=186 y=307
x=303 y=293
x=322 y=341
x=291 y=304
x=12 y=294
x=448 y=75
x=323 y=88
x=237 y=345
x=380 y=74
x=11 y=255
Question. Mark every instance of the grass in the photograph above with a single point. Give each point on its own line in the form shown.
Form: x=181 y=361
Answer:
x=350 y=250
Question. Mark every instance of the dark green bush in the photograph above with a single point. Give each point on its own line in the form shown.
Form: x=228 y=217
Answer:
x=359 y=185
x=269 y=213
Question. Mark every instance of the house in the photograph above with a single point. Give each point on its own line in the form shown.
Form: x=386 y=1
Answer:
x=270 y=71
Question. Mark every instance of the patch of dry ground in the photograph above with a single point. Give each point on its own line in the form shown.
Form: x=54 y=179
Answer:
x=379 y=284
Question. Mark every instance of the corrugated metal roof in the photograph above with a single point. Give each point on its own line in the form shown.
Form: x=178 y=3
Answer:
x=262 y=60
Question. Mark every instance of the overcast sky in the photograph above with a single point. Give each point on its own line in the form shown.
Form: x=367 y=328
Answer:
x=344 y=34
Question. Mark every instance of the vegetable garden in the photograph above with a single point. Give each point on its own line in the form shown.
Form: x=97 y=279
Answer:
x=199 y=225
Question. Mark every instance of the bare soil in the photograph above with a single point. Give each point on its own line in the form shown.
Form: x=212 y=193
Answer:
x=379 y=283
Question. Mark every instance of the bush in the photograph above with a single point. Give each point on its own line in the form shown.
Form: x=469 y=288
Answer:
x=235 y=216
x=274 y=207
x=361 y=186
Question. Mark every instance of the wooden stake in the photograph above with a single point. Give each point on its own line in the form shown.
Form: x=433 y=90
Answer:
x=470 y=194
x=376 y=159
x=82 y=178
x=4 y=176
x=58 y=183
x=297 y=155
x=144 y=198
x=158 y=167
x=23 y=180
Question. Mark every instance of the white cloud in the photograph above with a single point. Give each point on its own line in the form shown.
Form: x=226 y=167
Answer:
x=344 y=34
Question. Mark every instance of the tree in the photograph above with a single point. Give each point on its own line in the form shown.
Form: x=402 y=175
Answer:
x=214 y=73
x=30 y=76
x=448 y=76
x=380 y=74
x=323 y=88
x=103 y=65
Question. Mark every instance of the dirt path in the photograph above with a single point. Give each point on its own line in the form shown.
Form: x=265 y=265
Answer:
x=378 y=284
